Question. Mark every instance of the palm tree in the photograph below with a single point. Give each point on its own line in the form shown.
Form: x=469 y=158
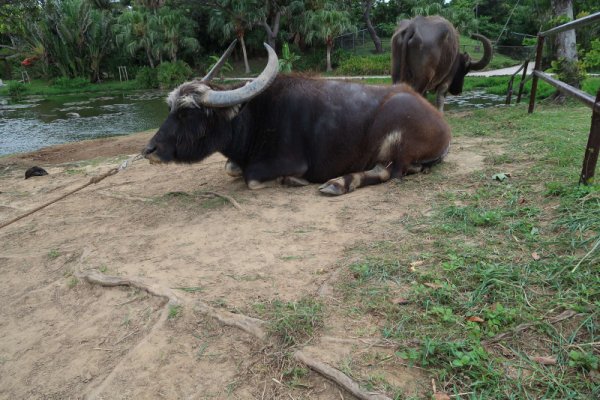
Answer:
x=234 y=17
x=177 y=32
x=325 y=24
x=100 y=40
x=139 y=30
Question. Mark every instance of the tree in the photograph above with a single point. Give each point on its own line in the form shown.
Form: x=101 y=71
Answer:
x=177 y=32
x=234 y=17
x=139 y=30
x=325 y=24
x=366 y=6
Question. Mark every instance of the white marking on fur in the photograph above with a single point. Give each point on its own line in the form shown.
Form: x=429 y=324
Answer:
x=187 y=95
x=391 y=141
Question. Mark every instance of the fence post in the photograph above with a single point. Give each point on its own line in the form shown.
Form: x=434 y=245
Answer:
x=538 y=65
x=522 y=84
x=593 y=146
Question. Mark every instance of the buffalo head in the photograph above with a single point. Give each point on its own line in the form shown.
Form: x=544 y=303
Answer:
x=464 y=64
x=200 y=113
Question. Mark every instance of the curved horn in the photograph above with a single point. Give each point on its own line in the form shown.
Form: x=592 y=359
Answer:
x=487 y=53
x=228 y=98
x=217 y=67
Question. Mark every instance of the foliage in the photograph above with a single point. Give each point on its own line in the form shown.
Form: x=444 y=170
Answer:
x=287 y=59
x=147 y=78
x=71 y=83
x=226 y=67
x=16 y=89
x=366 y=65
x=170 y=74
x=570 y=72
x=591 y=59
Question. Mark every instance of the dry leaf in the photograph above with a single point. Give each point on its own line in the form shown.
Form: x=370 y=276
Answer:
x=522 y=200
x=535 y=256
x=441 y=396
x=400 y=301
x=545 y=360
x=432 y=285
x=417 y=263
x=475 y=319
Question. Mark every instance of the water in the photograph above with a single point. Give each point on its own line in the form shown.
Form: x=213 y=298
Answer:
x=38 y=122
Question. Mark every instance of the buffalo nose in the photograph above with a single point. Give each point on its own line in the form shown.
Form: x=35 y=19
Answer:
x=149 y=150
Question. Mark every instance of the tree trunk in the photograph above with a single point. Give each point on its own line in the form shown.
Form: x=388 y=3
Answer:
x=566 y=46
x=367 y=17
x=329 y=47
x=246 y=65
x=566 y=42
x=272 y=31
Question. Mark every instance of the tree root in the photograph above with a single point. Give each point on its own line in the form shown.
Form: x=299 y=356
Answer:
x=338 y=377
x=96 y=278
x=252 y=326
x=225 y=197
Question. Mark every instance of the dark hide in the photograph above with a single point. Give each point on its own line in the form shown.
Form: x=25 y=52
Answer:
x=35 y=171
x=309 y=129
x=425 y=55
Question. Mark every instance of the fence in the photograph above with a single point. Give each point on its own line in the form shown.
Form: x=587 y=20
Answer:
x=593 y=146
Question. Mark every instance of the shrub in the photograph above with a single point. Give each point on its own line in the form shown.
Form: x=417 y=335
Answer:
x=171 y=74
x=287 y=60
x=16 y=89
x=147 y=78
x=71 y=83
x=591 y=60
x=372 y=65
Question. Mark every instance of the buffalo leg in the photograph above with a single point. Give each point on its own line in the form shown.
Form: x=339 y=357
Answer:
x=441 y=97
x=288 y=171
x=347 y=183
x=232 y=169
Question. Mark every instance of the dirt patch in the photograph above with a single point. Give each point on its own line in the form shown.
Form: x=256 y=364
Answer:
x=61 y=338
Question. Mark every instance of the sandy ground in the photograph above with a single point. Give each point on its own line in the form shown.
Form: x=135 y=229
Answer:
x=62 y=338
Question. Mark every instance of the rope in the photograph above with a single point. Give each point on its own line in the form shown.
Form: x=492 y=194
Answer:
x=93 y=180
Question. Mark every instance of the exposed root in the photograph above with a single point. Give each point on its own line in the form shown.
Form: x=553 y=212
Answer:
x=96 y=278
x=250 y=325
x=338 y=377
x=226 y=197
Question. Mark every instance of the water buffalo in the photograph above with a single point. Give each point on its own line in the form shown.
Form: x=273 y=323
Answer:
x=300 y=130
x=425 y=55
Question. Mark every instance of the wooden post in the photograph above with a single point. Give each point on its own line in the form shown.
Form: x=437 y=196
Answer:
x=593 y=146
x=522 y=84
x=538 y=65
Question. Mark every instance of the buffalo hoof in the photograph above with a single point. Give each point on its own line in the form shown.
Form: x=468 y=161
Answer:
x=232 y=169
x=35 y=171
x=332 y=188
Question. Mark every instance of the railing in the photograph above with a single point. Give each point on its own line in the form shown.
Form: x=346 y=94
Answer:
x=593 y=146
x=509 y=92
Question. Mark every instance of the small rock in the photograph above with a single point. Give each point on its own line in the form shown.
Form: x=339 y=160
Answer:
x=35 y=171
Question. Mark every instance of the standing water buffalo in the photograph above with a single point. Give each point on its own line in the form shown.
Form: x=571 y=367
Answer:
x=425 y=55
x=300 y=130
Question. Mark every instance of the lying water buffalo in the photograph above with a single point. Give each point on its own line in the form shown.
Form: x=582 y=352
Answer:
x=300 y=130
x=426 y=55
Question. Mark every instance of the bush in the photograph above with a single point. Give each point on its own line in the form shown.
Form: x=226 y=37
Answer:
x=379 y=64
x=591 y=60
x=171 y=74
x=16 y=89
x=147 y=78
x=71 y=83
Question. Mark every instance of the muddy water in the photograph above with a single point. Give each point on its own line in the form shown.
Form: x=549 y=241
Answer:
x=38 y=122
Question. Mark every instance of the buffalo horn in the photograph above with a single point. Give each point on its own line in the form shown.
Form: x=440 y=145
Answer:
x=487 y=53
x=228 y=98
x=217 y=67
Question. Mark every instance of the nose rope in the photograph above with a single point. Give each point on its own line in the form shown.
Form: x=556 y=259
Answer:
x=93 y=180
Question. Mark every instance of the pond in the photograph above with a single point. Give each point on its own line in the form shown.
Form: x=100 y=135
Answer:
x=38 y=122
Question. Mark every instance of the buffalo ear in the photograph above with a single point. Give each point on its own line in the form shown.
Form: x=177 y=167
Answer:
x=460 y=70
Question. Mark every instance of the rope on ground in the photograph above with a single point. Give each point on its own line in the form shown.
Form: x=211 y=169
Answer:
x=93 y=180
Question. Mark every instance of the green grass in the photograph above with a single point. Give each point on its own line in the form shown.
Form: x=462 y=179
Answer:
x=292 y=322
x=175 y=311
x=45 y=88
x=499 y=254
